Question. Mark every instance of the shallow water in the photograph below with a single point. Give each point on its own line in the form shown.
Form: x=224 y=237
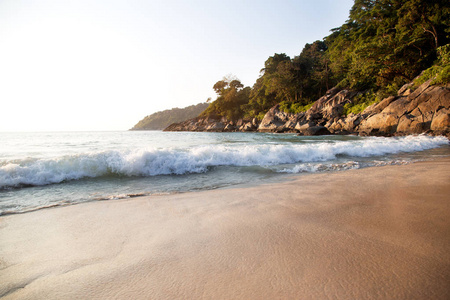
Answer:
x=39 y=170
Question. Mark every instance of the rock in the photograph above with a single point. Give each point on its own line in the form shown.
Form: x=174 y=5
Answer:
x=425 y=110
x=410 y=124
x=289 y=126
x=382 y=123
x=352 y=122
x=229 y=128
x=396 y=108
x=269 y=127
x=329 y=106
x=378 y=107
x=420 y=89
x=405 y=90
x=420 y=99
x=274 y=120
x=239 y=123
x=247 y=127
x=315 y=130
x=344 y=125
x=432 y=99
x=299 y=124
x=407 y=115
x=441 y=120
x=216 y=127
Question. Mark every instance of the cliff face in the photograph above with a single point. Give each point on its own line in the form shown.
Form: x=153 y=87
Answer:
x=425 y=110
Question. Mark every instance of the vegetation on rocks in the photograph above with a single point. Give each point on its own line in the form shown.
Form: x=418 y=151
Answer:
x=294 y=107
x=440 y=71
x=383 y=45
x=364 y=78
x=360 y=103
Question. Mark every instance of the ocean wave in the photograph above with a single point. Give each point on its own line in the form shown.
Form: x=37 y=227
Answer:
x=171 y=161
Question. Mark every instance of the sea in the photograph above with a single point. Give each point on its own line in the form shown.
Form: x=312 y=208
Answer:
x=40 y=170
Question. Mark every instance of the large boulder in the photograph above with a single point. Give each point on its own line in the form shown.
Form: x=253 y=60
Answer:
x=410 y=124
x=274 y=120
x=378 y=107
x=406 y=89
x=329 y=106
x=313 y=130
x=247 y=127
x=382 y=124
x=344 y=125
x=229 y=128
x=408 y=115
x=216 y=127
x=441 y=120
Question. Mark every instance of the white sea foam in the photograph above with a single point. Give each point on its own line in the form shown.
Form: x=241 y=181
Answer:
x=320 y=167
x=151 y=162
x=324 y=167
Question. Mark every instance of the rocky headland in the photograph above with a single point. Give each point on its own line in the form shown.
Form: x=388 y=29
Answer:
x=425 y=109
x=162 y=119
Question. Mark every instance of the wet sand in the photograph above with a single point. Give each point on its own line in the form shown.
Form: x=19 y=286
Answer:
x=376 y=233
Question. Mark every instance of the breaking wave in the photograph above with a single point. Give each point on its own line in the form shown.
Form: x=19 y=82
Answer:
x=172 y=161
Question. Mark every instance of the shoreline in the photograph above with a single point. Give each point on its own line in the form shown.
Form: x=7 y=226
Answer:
x=282 y=177
x=368 y=233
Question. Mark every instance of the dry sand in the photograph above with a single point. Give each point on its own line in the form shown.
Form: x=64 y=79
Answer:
x=378 y=233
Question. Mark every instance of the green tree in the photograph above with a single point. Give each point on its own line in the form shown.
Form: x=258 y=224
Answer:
x=387 y=40
x=266 y=92
x=383 y=44
x=231 y=95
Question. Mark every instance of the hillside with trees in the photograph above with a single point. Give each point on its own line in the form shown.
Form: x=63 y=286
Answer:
x=383 y=45
x=162 y=119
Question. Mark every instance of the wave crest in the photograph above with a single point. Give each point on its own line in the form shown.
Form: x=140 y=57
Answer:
x=152 y=162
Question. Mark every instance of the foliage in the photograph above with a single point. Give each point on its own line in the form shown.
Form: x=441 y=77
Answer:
x=443 y=77
x=440 y=71
x=297 y=80
x=361 y=102
x=387 y=39
x=444 y=55
x=440 y=75
x=231 y=96
x=382 y=45
x=294 y=107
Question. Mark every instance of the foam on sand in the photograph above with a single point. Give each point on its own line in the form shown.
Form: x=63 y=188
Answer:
x=375 y=233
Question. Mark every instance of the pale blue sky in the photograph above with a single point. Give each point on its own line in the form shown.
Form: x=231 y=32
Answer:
x=106 y=64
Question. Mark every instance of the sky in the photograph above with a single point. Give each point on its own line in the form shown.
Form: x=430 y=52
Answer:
x=81 y=65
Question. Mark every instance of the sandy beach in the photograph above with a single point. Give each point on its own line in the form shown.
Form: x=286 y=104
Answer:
x=375 y=233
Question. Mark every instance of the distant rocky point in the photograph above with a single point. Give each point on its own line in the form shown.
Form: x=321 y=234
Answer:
x=162 y=119
x=424 y=110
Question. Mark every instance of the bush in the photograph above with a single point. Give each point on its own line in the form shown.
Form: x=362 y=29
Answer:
x=440 y=71
x=294 y=107
x=444 y=54
x=361 y=102
x=443 y=77
x=260 y=116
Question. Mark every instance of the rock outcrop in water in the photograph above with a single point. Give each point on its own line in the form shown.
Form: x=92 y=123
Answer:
x=214 y=125
x=424 y=110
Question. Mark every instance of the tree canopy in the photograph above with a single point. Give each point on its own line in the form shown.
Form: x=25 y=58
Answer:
x=231 y=95
x=382 y=45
